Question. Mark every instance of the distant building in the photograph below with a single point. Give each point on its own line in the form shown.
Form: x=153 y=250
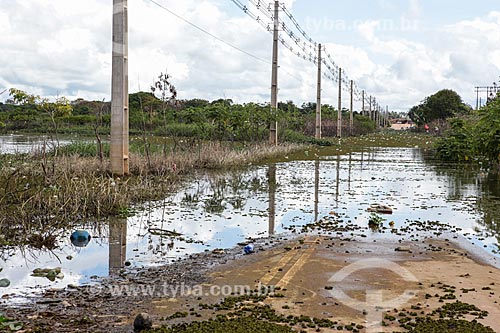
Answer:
x=401 y=124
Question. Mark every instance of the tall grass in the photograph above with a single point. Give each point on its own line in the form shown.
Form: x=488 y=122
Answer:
x=42 y=194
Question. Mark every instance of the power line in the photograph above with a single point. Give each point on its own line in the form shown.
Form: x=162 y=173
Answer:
x=210 y=34
x=307 y=47
x=221 y=40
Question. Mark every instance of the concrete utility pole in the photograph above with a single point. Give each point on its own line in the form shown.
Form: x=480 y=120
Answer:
x=119 y=147
x=370 y=109
x=379 y=113
x=339 y=115
x=386 y=116
x=273 y=129
x=318 y=100
x=351 y=120
x=363 y=102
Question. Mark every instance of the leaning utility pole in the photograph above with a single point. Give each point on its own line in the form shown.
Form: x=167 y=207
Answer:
x=318 y=100
x=351 y=120
x=119 y=146
x=273 y=129
x=339 y=114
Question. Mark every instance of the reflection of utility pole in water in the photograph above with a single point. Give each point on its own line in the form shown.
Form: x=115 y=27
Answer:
x=271 y=177
x=316 y=191
x=361 y=164
x=338 y=181
x=350 y=170
x=117 y=244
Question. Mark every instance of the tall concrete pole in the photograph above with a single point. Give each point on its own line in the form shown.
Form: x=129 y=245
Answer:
x=380 y=116
x=351 y=120
x=339 y=115
x=386 y=116
x=318 y=100
x=370 y=108
x=273 y=129
x=363 y=103
x=377 y=115
x=119 y=146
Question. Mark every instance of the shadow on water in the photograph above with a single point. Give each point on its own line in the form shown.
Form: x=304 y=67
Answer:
x=219 y=210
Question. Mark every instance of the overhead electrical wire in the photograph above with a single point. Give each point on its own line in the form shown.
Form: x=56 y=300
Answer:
x=220 y=39
x=307 y=47
x=209 y=33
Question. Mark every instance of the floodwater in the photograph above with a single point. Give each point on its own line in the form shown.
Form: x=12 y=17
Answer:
x=220 y=210
x=21 y=143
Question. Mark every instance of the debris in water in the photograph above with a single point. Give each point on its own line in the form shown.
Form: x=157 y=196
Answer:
x=249 y=249
x=80 y=238
x=381 y=209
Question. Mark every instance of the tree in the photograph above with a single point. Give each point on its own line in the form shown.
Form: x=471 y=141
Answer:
x=168 y=97
x=57 y=110
x=442 y=105
x=488 y=130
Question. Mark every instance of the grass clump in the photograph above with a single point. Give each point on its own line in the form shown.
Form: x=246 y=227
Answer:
x=429 y=325
x=225 y=325
x=42 y=195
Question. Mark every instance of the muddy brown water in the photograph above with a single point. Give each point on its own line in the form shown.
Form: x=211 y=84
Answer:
x=220 y=210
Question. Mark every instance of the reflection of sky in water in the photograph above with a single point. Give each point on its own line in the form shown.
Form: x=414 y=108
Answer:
x=10 y=144
x=221 y=210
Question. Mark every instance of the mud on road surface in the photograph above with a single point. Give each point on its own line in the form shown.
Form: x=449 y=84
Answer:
x=346 y=275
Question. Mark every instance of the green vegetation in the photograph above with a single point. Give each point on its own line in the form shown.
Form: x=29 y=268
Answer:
x=159 y=113
x=224 y=325
x=474 y=137
x=440 y=106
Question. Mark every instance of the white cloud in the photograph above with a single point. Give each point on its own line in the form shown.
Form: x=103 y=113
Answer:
x=415 y=9
x=63 y=47
x=458 y=56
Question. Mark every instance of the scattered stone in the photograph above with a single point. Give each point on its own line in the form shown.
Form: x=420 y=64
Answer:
x=218 y=251
x=50 y=273
x=403 y=249
x=143 y=322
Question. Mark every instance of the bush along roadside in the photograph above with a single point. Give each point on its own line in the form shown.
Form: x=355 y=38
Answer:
x=473 y=138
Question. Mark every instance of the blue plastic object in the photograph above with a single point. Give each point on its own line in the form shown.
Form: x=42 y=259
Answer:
x=80 y=238
x=249 y=249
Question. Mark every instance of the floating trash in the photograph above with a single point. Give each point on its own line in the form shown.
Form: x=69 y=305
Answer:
x=80 y=238
x=249 y=249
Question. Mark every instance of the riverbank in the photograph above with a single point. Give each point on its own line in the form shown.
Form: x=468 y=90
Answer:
x=317 y=279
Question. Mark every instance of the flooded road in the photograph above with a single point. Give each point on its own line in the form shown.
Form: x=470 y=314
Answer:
x=219 y=210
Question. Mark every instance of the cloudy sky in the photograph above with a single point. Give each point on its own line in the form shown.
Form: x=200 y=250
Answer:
x=398 y=50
